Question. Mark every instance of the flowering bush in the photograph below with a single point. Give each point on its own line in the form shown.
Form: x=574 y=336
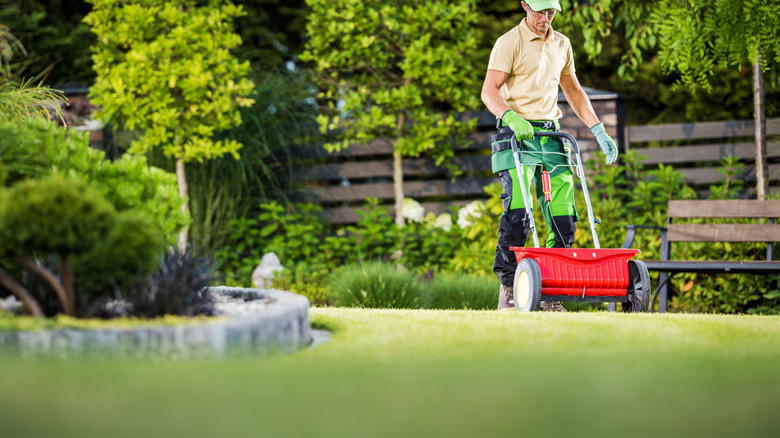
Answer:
x=412 y=210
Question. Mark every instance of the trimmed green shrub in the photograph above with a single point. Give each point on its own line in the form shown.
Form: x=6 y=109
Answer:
x=375 y=285
x=51 y=217
x=455 y=290
x=131 y=248
x=66 y=232
x=55 y=215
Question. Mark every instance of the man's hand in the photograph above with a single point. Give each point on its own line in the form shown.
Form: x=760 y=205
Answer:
x=522 y=129
x=605 y=141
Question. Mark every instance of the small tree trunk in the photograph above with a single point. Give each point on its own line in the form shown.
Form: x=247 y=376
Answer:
x=67 y=282
x=181 y=177
x=398 y=169
x=759 y=117
x=67 y=304
x=398 y=187
x=17 y=289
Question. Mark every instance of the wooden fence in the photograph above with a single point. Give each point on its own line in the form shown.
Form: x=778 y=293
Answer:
x=695 y=149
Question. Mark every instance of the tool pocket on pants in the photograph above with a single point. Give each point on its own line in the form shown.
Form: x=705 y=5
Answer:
x=506 y=182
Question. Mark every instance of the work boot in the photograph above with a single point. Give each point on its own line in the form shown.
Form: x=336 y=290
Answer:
x=506 y=298
x=552 y=306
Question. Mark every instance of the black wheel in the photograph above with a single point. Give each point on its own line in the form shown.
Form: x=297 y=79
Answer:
x=638 y=287
x=527 y=286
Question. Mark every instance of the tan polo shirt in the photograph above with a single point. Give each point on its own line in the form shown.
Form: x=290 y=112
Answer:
x=535 y=68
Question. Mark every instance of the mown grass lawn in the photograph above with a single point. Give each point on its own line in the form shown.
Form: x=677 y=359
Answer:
x=398 y=373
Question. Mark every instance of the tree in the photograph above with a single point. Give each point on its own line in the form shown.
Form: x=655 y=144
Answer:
x=65 y=218
x=165 y=69
x=51 y=216
x=697 y=40
x=696 y=36
x=394 y=70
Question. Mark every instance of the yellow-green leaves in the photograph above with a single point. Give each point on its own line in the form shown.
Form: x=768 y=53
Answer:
x=165 y=69
x=387 y=69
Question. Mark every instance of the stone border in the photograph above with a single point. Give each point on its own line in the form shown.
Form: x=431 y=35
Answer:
x=279 y=325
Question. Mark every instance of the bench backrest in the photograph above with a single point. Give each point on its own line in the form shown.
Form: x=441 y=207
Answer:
x=769 y=232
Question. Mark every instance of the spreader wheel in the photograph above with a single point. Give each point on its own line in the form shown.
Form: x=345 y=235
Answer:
x=527 y=286
x=638 y=287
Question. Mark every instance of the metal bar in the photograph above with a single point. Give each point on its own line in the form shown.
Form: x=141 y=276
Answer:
x=585 y=299
x=581 y=171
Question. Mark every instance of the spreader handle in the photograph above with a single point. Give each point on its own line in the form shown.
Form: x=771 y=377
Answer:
x=580 y=168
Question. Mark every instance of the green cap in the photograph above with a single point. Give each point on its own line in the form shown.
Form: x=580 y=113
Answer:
x=541 y=5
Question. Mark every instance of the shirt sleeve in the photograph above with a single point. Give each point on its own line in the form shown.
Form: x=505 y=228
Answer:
x=568 y=66
x=501 y=57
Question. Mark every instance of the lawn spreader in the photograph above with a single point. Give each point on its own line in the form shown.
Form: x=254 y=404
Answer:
x=575 y=274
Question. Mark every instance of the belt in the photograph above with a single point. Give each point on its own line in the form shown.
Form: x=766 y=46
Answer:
x=547 y=124
x=551 y=125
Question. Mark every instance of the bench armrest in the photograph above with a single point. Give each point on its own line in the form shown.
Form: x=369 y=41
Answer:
x=631 y=233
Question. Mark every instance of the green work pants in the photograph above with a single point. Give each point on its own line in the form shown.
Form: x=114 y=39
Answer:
x=536 y=155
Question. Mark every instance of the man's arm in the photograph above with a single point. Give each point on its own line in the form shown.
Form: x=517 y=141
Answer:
x=491 y=94
x=578 y=100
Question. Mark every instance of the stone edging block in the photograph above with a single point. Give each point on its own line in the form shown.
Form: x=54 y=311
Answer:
x=279 y=325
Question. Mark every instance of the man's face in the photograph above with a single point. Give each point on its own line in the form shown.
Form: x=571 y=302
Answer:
x=539 y=20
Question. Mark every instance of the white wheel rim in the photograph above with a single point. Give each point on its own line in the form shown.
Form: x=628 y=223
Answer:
x=523 y=291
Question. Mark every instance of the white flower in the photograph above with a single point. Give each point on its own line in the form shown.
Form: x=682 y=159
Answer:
x=443 y=221
x=412 y=210
x=468 y=214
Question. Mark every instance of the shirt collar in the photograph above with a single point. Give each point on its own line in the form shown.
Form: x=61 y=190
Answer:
x=529 y=35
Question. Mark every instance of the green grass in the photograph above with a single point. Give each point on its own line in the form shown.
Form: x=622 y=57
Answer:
x=398 y=373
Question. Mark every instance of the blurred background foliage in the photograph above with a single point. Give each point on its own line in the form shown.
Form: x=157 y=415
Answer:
x=58 y=47
x=239 y=207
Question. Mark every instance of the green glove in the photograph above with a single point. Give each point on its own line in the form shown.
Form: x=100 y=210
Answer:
x=605 y=141
x=522 y=129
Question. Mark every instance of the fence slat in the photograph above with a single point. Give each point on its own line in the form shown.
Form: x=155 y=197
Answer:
x=412 y=189
x=698 y=131
x=711 y=175
x=700 y=153
x=724 y=209
x=384 y=168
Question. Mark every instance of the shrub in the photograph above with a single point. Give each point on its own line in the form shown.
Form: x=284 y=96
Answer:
x=176 y=288
x=305 y=279
x=131 y=248
x=461 y=291
x=375 y=285
x=55 y=216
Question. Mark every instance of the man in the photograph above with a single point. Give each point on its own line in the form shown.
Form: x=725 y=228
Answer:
x=526 y=66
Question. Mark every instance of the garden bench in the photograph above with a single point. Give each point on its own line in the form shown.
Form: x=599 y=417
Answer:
x=768 y=232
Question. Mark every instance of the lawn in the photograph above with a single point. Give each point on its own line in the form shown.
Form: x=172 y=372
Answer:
x=397 y=373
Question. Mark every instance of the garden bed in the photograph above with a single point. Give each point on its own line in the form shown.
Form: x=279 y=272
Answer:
x=251 y=322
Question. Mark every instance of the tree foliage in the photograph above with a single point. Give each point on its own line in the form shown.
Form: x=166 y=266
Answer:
x=392 y=69
x=65 y=218
x=696 y=36
x=165 y=69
